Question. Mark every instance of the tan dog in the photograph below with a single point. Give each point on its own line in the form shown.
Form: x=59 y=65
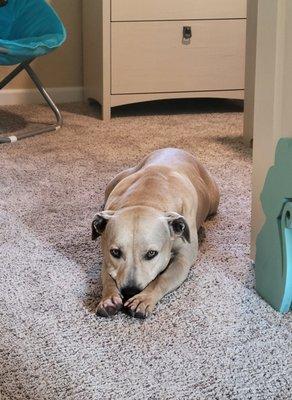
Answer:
x=149 y=229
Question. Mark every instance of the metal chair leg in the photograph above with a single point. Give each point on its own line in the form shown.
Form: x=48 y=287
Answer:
x=45 y=95
x=12 y=75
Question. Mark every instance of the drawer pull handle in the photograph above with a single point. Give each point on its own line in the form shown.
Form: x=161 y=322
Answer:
x=187 y=34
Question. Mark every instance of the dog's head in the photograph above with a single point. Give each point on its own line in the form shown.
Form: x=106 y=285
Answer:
x=137 y=244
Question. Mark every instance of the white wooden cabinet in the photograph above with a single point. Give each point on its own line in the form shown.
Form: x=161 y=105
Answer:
x=140 y=50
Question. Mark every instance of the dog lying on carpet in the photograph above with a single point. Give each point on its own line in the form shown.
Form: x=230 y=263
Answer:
x=149 y=229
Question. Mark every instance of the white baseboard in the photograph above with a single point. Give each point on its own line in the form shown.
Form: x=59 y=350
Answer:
x=10 y=97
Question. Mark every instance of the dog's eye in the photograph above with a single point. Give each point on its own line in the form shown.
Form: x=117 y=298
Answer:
x=151 y=254
x=116 y=253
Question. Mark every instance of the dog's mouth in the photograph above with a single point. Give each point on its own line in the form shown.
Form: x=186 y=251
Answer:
x=129 y=292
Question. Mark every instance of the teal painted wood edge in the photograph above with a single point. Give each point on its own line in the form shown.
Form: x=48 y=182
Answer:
x=286 y=231
x=273 y=262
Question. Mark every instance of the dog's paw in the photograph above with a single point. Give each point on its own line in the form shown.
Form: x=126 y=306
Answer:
x=140 y=306
x=109 y=306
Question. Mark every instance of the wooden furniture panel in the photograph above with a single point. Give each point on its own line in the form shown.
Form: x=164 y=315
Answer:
x=143 y=10
x=150 y=57
x=121 y=99
x=134 y=50
x=96 y=52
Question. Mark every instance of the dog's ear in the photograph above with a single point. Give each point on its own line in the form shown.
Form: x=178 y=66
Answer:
x=178 y=226
x=99 y=223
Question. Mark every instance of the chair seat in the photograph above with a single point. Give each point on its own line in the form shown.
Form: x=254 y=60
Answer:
x=28 y=29
x=16 y=51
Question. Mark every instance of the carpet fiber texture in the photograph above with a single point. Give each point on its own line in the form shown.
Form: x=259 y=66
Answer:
x=213 y=338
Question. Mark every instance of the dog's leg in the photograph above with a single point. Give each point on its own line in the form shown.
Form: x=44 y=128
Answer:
x=141 y=305
x=111 y=301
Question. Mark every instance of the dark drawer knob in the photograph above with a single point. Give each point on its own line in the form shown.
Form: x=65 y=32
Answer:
x=187 y=32
x=3 y=3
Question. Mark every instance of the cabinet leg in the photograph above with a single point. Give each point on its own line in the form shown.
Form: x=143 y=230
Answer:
x=105 y=112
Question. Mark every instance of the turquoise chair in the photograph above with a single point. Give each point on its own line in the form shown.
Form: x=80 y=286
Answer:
x=29 y=29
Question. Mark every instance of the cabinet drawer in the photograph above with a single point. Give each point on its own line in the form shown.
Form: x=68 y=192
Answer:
x=145 y=10
x=151 y=57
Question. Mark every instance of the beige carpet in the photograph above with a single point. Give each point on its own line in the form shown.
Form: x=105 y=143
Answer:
x=213 y=338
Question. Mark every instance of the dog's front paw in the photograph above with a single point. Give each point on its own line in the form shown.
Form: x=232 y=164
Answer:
x=140 y=306
x=109 y=306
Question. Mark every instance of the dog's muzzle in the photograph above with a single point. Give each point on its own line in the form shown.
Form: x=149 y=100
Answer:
x=129 y=291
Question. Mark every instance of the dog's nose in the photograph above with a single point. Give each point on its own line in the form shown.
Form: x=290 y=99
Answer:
x=129 y=291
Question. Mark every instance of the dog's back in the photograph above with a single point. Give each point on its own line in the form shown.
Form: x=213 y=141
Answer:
x=167 y=179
